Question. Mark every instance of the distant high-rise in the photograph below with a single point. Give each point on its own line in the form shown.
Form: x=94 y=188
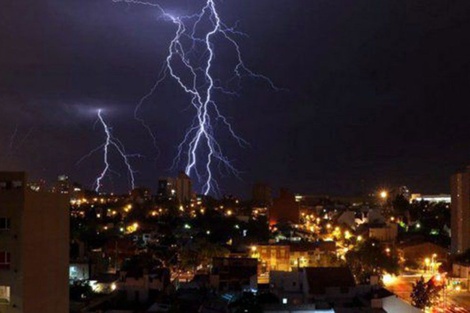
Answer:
x=284 y=209
x=165 y=187
x=34 y=248
x=178 y=188
x=183 y=188
x=262 y=194
x=460 y=211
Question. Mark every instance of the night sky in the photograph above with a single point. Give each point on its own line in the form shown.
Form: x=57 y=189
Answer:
x=376 y=92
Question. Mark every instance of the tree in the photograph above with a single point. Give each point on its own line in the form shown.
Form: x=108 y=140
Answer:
x=425 y=294
x=419 y=294
x=201 y=252
x=370 y=258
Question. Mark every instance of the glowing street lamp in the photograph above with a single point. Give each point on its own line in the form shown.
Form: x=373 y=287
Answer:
x=388 y=279
x=383 y=194
x=433 y=262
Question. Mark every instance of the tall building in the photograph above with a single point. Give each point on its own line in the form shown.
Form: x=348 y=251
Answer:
x=183 y=188
x=460 y=211
x=165 y=189
x=261 y=194
x=285 y=209
x=34 y=248
x=178 y=188
x=62 y=185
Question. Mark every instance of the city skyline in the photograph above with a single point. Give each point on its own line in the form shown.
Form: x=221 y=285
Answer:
x=374 y=93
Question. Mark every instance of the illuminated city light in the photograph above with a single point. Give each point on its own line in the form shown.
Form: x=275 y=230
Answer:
x=191 y=66
x=388 y=279
x=132 y=228
x=383 y=194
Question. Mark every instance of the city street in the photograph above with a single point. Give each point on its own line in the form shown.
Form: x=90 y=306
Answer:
x=452 y=300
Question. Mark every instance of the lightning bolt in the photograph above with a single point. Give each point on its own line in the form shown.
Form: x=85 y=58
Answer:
x=110 y=143
x=191 y=66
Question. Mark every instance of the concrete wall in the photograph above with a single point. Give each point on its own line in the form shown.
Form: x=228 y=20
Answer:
x=39 y=245
x=45 y=246
x=460 y=212
x=459 y=270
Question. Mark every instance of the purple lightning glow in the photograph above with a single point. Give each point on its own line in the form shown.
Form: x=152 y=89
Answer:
x=111 y=142
x=190 y=61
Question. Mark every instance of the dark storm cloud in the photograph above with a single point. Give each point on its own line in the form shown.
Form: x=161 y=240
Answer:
x=378 y=90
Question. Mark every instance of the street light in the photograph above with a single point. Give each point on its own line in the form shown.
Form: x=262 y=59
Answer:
x=383 y=194
x=433 y=264
x=427 y=261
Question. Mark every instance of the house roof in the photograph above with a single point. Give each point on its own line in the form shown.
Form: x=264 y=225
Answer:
x=302 y=246
x=327 y=246
x=320 y=278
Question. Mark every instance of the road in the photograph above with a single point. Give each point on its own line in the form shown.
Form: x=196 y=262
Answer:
x=452 y=301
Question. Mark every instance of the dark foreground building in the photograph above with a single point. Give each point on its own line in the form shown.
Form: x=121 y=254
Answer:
x=34 y=248
x=460 y=211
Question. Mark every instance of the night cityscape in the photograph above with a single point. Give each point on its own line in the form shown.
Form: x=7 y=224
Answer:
x=215 y=156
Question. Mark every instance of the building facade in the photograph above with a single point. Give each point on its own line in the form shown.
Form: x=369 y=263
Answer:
x=460 y=211
x=271 y=258
x=284 y=209
x=34 y=248
x=234 y=274
x=178 y=188
x=261 y=194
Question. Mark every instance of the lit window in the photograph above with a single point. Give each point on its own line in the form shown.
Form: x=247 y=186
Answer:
x=4 y=294
x=5 y=260
x=4 y=223
x=16 y=184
